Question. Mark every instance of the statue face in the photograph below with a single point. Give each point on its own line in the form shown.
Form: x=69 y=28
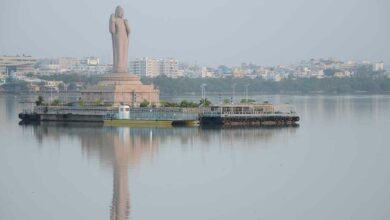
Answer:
x=119 y=12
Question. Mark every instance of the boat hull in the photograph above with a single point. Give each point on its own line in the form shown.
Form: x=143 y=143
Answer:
x=249 y=121
x=138 y=123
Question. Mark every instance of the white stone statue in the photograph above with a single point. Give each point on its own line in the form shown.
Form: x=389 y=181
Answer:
x=120 y=30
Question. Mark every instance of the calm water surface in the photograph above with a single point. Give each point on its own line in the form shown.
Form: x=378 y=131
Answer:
x=336 y=165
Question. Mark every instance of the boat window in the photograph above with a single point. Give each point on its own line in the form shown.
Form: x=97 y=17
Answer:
x=127 y=109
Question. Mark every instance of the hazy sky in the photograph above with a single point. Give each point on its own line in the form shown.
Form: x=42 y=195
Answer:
x=211 y=32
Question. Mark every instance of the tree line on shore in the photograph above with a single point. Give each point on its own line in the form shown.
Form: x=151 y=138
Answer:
x=169 y=86
x=185 y=85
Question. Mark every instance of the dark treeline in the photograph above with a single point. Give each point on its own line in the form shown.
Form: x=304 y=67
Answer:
x=169 y=86
x=72 y=78
x=185 y=85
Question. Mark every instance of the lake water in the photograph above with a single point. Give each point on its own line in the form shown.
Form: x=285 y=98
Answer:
x=335 y=165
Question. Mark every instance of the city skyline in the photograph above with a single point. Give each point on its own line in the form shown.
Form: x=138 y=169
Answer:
x=195 y=62
x=259 y=32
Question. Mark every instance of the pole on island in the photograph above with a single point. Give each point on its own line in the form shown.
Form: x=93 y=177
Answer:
x=246 y=92
x=234 y=92
x=203 y=87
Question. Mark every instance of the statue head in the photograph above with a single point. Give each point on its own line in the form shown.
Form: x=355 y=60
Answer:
x=119 y=12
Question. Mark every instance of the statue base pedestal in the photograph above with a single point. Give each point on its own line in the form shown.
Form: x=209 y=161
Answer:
x=117 y=88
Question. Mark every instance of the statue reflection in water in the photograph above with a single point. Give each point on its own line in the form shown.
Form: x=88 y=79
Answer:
x=124 y=148
x=121 y=201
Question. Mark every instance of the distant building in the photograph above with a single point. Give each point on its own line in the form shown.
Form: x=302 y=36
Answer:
x=48 y=66
x=342 y=74
x=92 y=61
x=319 y=74
x=238 y=73
x=169 y=67
x=207 y=73
x=65 y=63
x=146 y=66
x=151 y=67
x=17 y=64
x=84 y=69
x=224 y=70
x=87 y=66
x=49 y=86
x=380 y=66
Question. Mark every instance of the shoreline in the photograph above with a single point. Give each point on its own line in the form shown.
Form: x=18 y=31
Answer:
x=227 y=93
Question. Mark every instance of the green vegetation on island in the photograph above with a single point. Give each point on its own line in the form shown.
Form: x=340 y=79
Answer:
x=184 y=85
x=186 y=104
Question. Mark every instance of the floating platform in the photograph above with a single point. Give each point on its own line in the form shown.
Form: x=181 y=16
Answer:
x=251 y=115
x=115 y=116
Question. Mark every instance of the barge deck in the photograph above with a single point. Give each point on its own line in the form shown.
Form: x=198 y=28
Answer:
x=255 y=115
x=249 y=115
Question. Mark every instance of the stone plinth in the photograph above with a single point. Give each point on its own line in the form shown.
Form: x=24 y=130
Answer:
x=116 y=88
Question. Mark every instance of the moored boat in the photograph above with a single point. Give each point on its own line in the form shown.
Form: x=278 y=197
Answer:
x=151 y=117
x=258 y=114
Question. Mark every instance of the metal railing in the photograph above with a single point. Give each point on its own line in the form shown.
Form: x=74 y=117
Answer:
x=73 y=110
x=249 y=110
x=175 y=114
x=246 y=113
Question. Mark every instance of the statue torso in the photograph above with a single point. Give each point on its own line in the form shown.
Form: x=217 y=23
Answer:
x=120 y=26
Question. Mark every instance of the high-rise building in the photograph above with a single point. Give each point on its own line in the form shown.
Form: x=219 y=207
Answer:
x=151 y=67
x=146 y=66
x=169 y=67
